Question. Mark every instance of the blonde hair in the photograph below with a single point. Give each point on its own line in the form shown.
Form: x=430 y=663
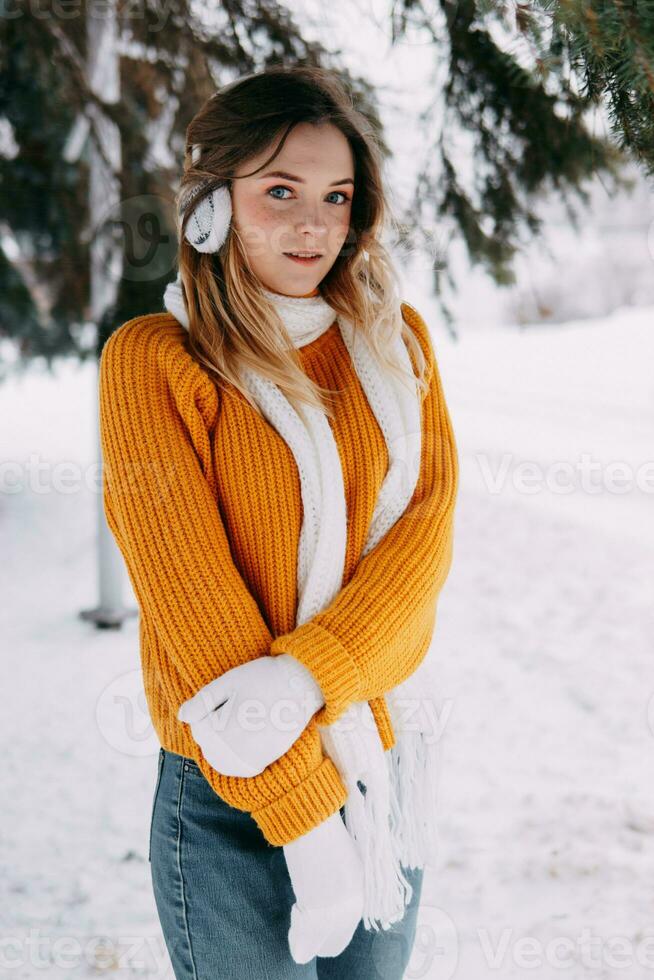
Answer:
x=231 y=321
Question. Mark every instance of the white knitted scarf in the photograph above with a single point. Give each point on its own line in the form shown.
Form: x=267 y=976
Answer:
x=392 y=819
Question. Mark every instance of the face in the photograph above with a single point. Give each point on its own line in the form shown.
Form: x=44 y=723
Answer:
x=300 y=202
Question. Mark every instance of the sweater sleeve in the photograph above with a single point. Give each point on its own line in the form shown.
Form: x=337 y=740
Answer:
x=377 y=630
x=160 y=506
x=156 y=409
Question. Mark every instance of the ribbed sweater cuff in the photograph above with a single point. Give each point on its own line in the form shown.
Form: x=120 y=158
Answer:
x=336 y=672
x=304 y=807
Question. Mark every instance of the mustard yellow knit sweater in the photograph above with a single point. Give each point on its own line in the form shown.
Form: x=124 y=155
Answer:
x=203 y=498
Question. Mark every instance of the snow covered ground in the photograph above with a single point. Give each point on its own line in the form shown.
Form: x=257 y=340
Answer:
x=545 y=643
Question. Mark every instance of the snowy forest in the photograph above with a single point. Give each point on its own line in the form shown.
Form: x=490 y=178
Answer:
x=518 y=142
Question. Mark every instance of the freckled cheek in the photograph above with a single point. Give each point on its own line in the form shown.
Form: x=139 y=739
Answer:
x=260 y=226
x=338 y=232
x=257 y=215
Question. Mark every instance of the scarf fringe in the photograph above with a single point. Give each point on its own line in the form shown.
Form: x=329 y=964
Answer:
x=386 y=890
x=395 y=826
x=354 y=746
x=414 y=777
x=415 y=768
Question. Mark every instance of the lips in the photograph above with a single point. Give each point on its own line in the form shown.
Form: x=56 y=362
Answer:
x=303 y=259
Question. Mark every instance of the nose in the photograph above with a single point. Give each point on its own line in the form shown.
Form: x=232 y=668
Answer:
x=311 y=223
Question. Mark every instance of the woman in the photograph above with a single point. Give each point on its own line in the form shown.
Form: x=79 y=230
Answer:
x=280 y=476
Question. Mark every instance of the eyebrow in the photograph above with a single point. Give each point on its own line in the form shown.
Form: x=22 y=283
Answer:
x=301 y=180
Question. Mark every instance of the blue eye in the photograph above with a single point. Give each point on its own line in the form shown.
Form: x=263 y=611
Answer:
x=282 y=187
x=344 y=196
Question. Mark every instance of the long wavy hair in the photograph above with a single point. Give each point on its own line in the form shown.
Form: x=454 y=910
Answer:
x=231 y=322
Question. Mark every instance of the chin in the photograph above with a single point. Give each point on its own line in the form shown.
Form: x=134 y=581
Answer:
x=292 y=286
x=299 y=291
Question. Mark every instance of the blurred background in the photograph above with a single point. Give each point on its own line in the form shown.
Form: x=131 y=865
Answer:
x=518 y=144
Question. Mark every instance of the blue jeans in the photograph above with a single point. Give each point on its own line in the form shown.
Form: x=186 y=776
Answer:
x=224 y=895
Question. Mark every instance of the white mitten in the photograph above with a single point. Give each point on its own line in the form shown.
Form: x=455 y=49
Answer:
x=327 y=877
x=253 y=713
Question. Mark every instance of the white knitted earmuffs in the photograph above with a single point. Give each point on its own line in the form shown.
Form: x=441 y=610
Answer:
x=207 y=227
